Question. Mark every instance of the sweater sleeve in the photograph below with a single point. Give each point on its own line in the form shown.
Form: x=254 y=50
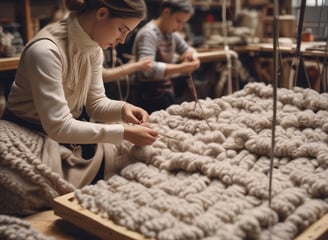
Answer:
x=181 y=45
x=45 y=77
x=98 y=105
x=145 y=45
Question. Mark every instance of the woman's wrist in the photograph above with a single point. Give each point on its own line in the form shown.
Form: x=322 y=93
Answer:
x=123 y=71
x=135 y=66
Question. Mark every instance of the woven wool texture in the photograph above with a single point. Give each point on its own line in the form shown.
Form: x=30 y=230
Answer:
x=26 y=183
x=201 y=183
x=13 y=228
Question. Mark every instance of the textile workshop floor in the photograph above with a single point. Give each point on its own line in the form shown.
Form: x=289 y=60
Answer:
x=201 y=183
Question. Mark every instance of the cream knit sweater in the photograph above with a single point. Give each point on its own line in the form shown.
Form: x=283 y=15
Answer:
x=59 y=71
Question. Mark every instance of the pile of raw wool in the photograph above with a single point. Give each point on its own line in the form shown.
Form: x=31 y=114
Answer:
x=211 y=181
x=13 y=228
x=27 y=183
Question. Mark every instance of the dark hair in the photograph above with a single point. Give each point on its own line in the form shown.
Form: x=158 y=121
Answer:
x=117 y=8
x=177 y=6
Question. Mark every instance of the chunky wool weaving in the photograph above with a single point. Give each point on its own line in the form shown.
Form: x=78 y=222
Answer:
x=201 y=183
x=13 y=228
x=27 y=183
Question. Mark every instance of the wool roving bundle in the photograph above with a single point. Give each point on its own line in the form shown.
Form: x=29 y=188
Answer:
x=201 y=183
x=27 y=183
x=13 y=228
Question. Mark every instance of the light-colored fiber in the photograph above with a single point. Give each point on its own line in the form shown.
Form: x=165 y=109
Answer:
x=197 y=183
x=13 y=228
x=27 y=184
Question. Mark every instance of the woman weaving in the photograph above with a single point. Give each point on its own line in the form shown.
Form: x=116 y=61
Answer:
x=60 y=72
x=160 y=40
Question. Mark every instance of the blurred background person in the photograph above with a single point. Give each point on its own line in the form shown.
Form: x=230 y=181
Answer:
x=160 y=40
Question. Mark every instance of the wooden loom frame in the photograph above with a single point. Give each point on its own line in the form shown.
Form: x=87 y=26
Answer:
x=66 y=207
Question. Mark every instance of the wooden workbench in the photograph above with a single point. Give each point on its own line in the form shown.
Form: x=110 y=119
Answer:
x=215 y=54
x=50 y=224
x=10 y=63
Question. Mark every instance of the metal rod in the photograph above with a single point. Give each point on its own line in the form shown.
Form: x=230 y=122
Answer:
x=276 y=72
x=296 y=60
x=195 y=95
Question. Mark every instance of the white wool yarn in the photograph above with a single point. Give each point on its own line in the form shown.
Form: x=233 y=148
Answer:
x=202 y=183
x=13 y=228
x=27 y=184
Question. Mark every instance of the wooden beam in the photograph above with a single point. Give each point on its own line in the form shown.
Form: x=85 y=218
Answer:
x=23 y=16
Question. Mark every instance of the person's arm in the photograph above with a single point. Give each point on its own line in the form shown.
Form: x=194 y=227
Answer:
x=145 y=45
x=183 y=67
x=44 y=75
x=188 y=58
x=189 y=55
x=112 y=74
x=44 y=67
x=135 y=119
x=139 y=133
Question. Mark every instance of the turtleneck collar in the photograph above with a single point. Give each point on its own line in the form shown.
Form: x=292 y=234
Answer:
x=77 y=34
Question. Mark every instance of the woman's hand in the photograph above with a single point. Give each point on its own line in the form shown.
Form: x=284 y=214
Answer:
x=190 y=66
x=140 y=135
x=134 y=115
x=189 y=61
x=189 y=56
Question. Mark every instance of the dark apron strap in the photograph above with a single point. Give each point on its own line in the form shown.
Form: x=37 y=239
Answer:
x=11 y=117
